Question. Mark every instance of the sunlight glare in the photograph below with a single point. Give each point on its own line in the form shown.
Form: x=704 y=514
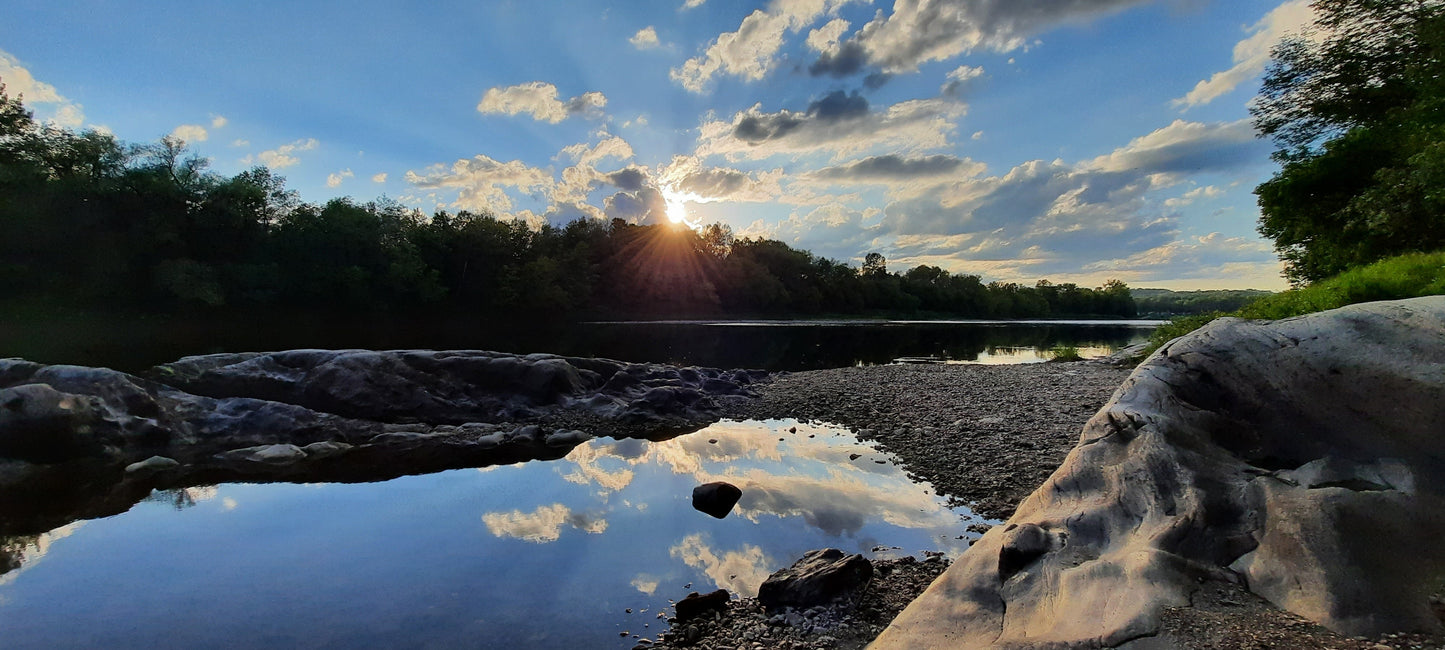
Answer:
x=676 y=213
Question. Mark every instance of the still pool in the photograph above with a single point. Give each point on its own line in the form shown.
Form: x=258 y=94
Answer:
x=539 y=554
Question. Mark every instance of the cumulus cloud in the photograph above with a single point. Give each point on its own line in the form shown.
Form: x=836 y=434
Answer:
x=689 y=177
x=893 y=168
x=379 y=178
x=839 y=123
x=1185 y=147
x=219 y=121
x=645 y=39
x=334 y=180
x=38 y=95
x=539 y=99
x=692 y=4
x=1205 y=192
x=1251 y=55
x=921 y=31
x=1246 y=262
x=240 y=142
x=543 y=524
x=190 y=133
x=751 y=52
x=645 y=206
x=283 y=156
x=825 y=39
x=959 y=80
x=482 y=182
x=1049 y=217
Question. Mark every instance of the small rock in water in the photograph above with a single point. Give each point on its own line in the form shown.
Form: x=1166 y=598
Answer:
x=698 y=604
x=712 y=441
x=716 y=499
x=151 y=465
x=854 y=456
x=792 y=429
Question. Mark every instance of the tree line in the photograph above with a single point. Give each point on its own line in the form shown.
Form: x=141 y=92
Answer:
x=1356 y=107
x=86 y=220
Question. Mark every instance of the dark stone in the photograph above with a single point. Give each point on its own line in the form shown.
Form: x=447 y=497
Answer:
x=716 y=499
x=697 y=604
x=820 y=577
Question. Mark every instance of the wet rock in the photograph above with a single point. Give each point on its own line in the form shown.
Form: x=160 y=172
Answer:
x=1303 y=455
x=695 y=604
x=820 y=577
x=266 y=454
x=716 y=499
x=152 y=465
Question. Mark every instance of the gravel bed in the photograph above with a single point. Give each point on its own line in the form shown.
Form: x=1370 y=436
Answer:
x=746 y=625
x=984 y=436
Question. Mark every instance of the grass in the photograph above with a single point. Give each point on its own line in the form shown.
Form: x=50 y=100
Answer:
x=1064 y=353
x=1395 y=278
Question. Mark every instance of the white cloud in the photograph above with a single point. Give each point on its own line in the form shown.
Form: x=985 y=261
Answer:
x=959 y=80
x=645 y=39
x=38 y=95
x=825 y=39
x=239 y=142
x=539 y=99
x=219 y=121
x=379 y=178
x=283 y=156
x=692 y=4
x=1205 y=192
x=541 y=525
x=1183 y=147
x=920 y=31
x=482 y=182
x=190 y=133
x=751 y=52
x=838 y=123
x=334 y=180
x=1251 y=55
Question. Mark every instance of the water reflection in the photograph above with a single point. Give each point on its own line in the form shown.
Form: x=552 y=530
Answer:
x=540 y=554
x=133 y=345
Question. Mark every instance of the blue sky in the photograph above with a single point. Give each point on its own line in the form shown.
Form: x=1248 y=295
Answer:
x=1075 y=140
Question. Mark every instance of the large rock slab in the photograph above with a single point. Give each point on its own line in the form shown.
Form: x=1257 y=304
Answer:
x=68 y=434
x=1303 y=458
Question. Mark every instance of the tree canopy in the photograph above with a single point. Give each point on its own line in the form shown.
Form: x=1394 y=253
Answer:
x=1356 y=107
x=88 y=221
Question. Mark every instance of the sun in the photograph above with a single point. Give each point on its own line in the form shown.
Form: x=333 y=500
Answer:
x=676 y=211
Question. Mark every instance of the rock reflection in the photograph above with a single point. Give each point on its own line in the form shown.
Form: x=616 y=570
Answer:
x=21 y=552
x=182 y=498
x=543 y=524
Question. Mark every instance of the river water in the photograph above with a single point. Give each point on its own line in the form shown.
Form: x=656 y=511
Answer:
x=545 y=554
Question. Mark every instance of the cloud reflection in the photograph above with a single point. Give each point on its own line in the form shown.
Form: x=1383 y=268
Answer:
x=543 y=524
x=740 y=572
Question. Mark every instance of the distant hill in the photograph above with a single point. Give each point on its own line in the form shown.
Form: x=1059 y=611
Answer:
x=1163 y=302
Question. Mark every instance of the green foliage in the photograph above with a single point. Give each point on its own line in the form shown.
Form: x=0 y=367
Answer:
x=1355 y=106
x=1178 y=303
x=1064 y=353
x=88 y=222
x=1405 y=276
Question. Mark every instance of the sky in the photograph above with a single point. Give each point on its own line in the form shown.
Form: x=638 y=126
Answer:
x=1073 y=140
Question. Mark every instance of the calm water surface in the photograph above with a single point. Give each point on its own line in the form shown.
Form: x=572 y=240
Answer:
x=540 y=554
x=133 y=345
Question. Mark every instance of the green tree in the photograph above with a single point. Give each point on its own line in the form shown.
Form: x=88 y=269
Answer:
x=1356 y=106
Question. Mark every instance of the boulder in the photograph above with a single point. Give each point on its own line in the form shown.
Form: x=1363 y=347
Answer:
x=716 y=499
x=1301 y=458
x=695 y=604
x=820 y=577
